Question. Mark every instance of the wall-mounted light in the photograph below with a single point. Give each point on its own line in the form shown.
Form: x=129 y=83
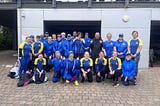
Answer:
x=125 y=18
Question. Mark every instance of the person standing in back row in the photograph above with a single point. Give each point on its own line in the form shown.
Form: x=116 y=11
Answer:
x=121 y=46
x=78 y=44
x=135 y=47
x=96 y=47
x=87 y=42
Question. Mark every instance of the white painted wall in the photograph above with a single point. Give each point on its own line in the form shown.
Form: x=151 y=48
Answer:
x=30 y=22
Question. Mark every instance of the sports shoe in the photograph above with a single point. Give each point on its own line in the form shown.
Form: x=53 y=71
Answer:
x=76 y=83
x=135 y=83
x=115 y=84
x=67 y=81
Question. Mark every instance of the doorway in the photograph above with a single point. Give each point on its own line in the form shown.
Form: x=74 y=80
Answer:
x=155 y=44
x=8 y=30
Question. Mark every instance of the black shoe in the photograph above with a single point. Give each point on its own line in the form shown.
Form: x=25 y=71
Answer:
x=135 y=83
x=62 y=80
x=82 y=81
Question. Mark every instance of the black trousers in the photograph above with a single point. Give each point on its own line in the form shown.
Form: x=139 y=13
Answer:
x=99 y=79
x=38 y=79
x=116 y=75
x=32 y=62
x=89 y=77
x=48 y=66
x=107 y=69
x=94 y=59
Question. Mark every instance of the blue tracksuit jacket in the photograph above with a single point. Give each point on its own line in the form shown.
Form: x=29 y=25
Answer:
x=78 y=46
x=71 y=68
x=58 y=46
x=48 y=48
x=129 y=68
x=68 y=46
x=121 y=47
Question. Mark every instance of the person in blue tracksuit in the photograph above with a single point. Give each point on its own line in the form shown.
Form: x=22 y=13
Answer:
x=59 y=44
x=37 y=48
x=25 y=55
x=115 y=66
x=31 y=62
x=63 y=34
x=121 y=46
x=87 y=42
x=57 y=64
x=86 y=65
x=128 y=70
x=44 y=38
x=78 y=44
x=71 y=70
x=48 y=51
x=135 y=47
x=48 y=48
x=54 y=37
x=100 y=66
x=68 y=46
x=54 y=41
x=108 y=48
x=39 y=73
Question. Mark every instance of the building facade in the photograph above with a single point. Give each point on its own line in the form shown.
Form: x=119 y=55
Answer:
x=114 y=20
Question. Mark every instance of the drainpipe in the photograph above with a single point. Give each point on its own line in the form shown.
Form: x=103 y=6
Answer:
x=126 y=3
x=19 y=3
x=53 y=3
x=89 y=3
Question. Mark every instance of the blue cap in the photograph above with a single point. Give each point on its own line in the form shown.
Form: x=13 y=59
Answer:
x=121 y=35
x=31 y=36
x=86 y=33
x=71 y=52
x=68 y=35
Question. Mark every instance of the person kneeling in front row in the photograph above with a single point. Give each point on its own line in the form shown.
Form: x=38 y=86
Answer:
x=71 y=69
x=100 y=66
x=86 y=64
x=56 y=62
x=39 y=73
x=115 y=68
x=129 y=70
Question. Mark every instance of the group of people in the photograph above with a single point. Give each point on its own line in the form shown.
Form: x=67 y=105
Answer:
x=72 y=56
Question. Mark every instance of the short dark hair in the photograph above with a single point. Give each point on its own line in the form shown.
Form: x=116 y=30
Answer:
x=134 y=32
x=38 y=36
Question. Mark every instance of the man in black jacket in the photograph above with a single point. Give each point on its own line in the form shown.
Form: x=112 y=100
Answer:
x=96 y=47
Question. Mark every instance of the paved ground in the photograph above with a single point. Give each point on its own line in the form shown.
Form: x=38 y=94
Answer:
x=146 y=93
